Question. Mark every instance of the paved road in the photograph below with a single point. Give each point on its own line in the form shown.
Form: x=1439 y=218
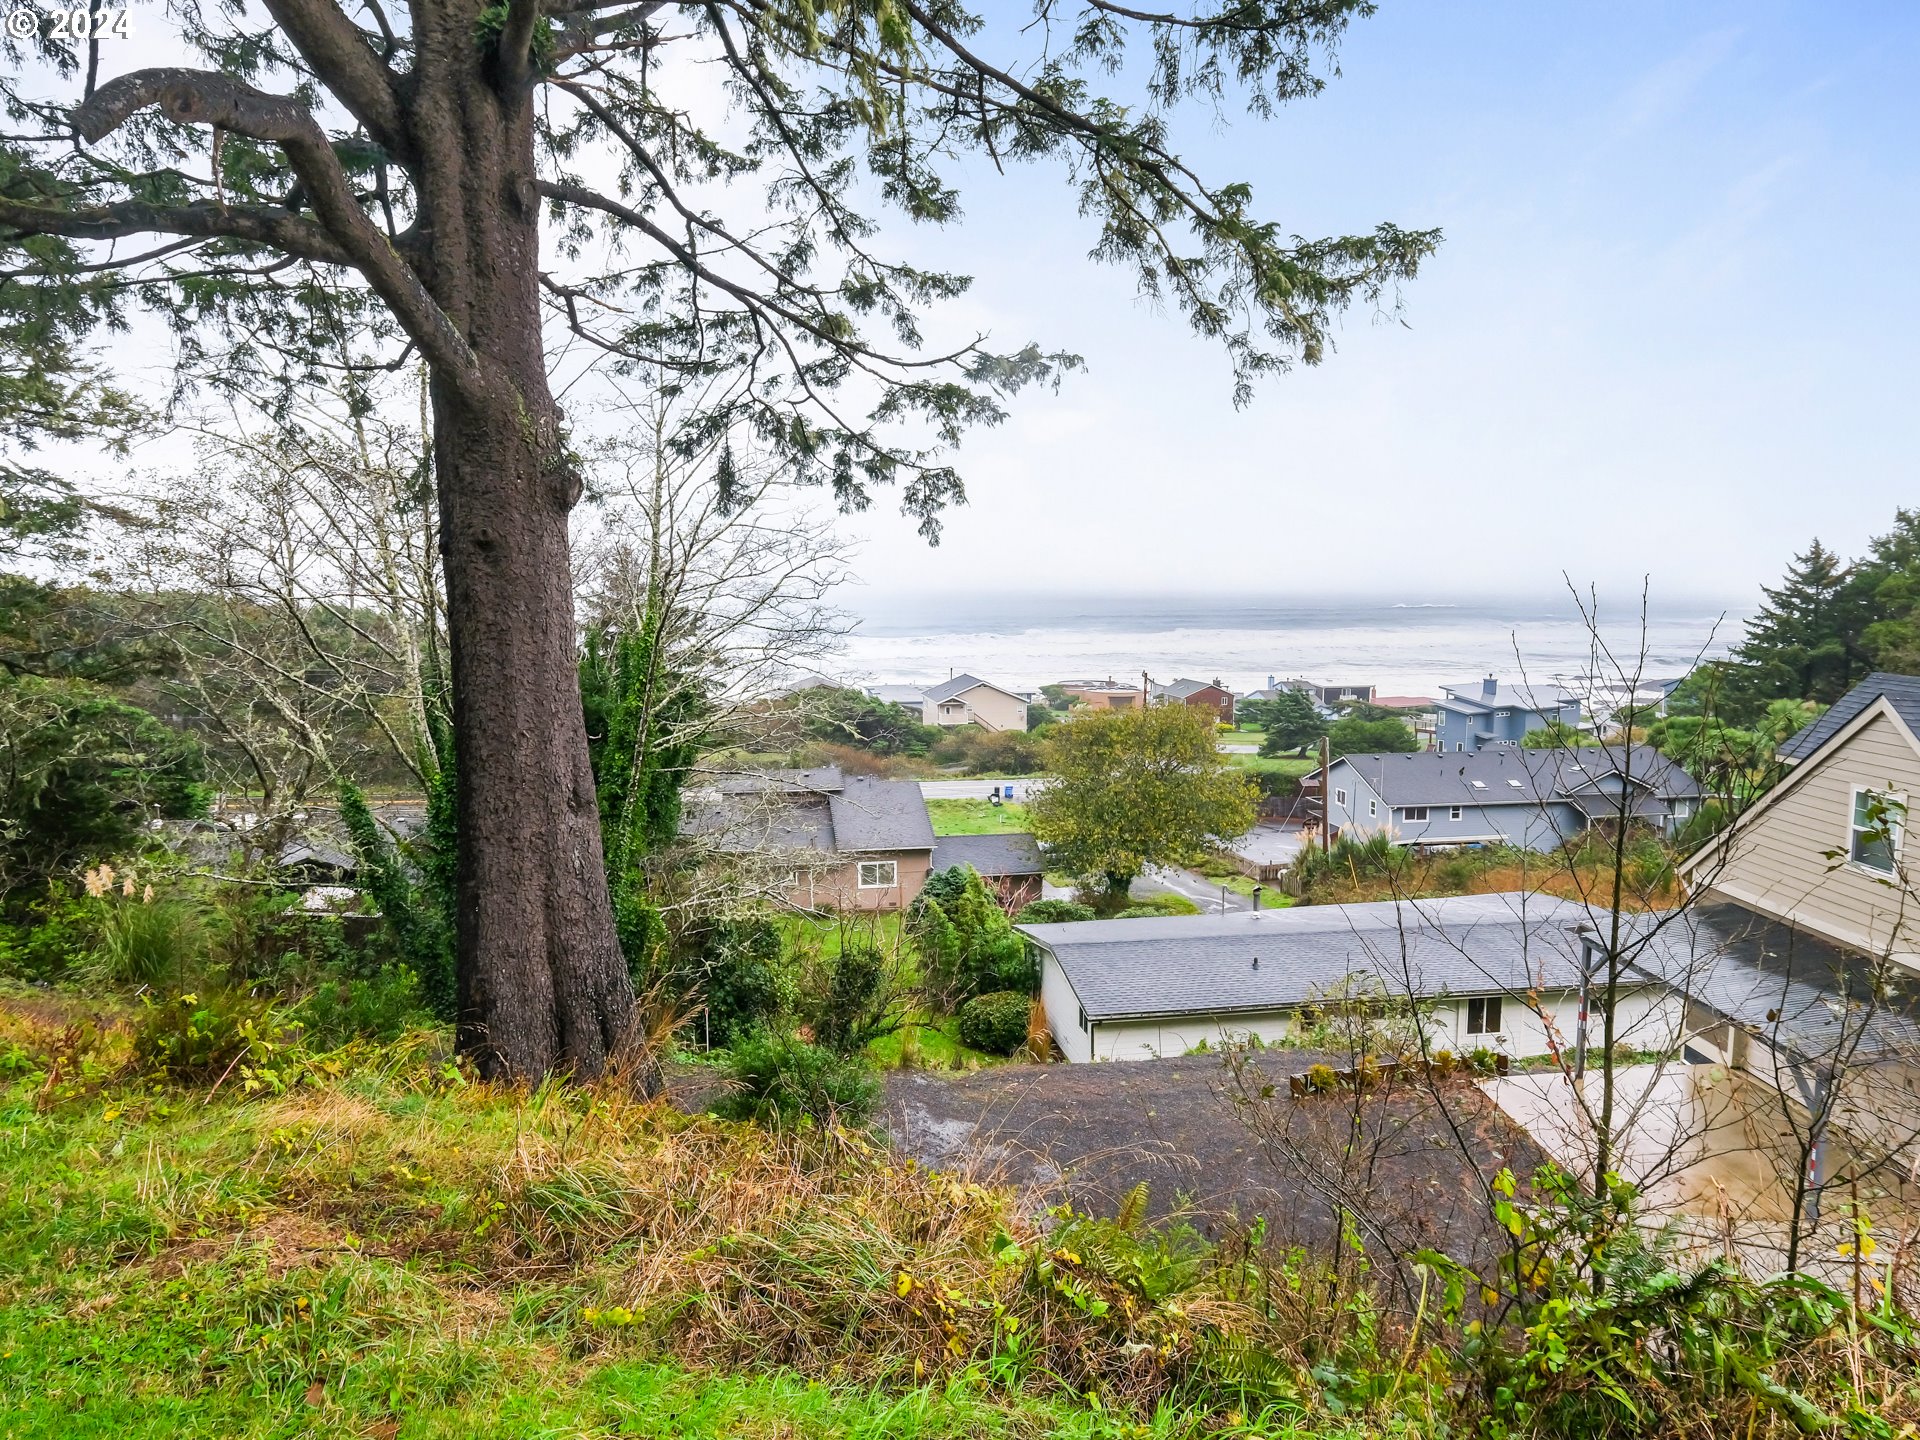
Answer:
x=975 y=789
x=1238 y=749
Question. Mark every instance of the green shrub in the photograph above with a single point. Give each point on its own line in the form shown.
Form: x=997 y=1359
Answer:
x=853 y=1008
x=196 y=1038
x=741 y=976
x=266 y=938
x=382 y=1006
x=967 y=945
x=1150 y=906
x=1053 y=912
x=996 y=1023
x=782 y=1080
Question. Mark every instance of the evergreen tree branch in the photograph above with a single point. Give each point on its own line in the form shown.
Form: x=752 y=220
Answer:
x=338 y=51
x=200 y=97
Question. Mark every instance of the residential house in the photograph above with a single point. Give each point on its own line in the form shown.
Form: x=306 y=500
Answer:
x=1825 y=848
x=1200 y=695
x=1108 y=694
x=1605 y=698
x=1497 y=971
x=1536 y=799
x=1479 y=714
x=1328 y=696
x=1009 y=863
x=1797 y=953
x=835 y=841
x=960 y=700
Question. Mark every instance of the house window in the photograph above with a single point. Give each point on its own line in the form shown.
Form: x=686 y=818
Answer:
x=1373 y=808
x=1483 y=1015
x=879 y=874
x=1453 y=812
x=1339 y=797
x=1503 y=714
x=1083 y=1017
x=1875 y=838
x=1414 y=813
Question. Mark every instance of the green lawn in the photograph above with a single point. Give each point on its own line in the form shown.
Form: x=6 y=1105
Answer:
x=1277 y=765
x=828 y=933
x=928 y=1044
x=975 y=817
x=1271 y=896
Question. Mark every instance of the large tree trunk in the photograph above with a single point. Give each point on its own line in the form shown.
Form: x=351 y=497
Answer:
x=542 y=982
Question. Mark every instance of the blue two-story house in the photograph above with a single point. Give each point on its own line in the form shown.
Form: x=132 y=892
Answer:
x=1506 y=795
x=1481 y=713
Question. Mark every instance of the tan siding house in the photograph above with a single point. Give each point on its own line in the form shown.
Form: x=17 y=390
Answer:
x=1810 y=851
x=969 y=700
x=842 y=842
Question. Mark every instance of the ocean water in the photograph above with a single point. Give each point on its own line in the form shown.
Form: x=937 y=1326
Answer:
x=1401 y=646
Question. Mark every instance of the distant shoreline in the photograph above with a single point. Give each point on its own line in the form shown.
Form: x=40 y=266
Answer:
x=1401 y=645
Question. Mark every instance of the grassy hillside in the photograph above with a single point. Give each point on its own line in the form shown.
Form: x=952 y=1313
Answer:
x=367 y=1243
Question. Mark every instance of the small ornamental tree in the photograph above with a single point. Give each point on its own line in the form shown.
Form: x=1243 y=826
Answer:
x=1292 y=722
x=333 y=186
x=1353 y=736
x=1133 y=788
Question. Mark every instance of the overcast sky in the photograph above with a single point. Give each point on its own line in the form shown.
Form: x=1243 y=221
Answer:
x=1671 y=330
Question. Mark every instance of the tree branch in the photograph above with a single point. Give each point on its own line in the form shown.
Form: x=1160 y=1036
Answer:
x=340 y=56
x=203 y=219
x=194 y=97
x=516 y=45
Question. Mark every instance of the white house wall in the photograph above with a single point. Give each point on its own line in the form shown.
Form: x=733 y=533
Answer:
x=1063 y=1011
x=1645 y=1019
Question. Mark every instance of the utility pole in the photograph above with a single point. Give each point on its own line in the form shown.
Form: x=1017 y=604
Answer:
x=1326 y=796
x=1146 y=690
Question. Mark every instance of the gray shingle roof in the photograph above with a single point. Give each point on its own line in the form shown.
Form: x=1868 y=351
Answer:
x=1902 y=692
x=1436 y=778
x=872 y=814
x=1813 y=998
x=991 y=855
x=1203 y=964
x=809 y=810
x=958 y=685
x=1526 y=695
x=1183 y=689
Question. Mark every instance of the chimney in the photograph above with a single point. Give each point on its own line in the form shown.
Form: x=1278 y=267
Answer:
x=1269 y=682
x=1488 y=686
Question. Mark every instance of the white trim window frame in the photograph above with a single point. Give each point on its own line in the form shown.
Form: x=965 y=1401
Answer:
x=1373 y=809
x=885 y=873
x=1483 y=1015
x=1414 y=814
x=1871 y=837
x=1340 y=796
x=1454 y=812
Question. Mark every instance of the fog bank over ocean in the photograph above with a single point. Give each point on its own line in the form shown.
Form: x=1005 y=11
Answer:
x=1403 y=644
